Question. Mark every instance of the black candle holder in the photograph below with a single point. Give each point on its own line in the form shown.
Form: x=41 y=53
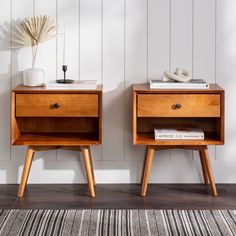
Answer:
x=64 y=81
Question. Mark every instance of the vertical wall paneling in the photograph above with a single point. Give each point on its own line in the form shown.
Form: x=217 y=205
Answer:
x=204 y=48
x=135 y=66
x=91 y=46
x=90 y=39
x=175 y=171
x=113 y=79
x=57 y=172
x=204 y=40
x=68 y=20
x=181 y=34
x=48 y=64
x=225 y=71
x=5 y=78
x=181 y=49
x=158 y=47
x=158 y=38
x=116 y=171
x=21 y=60
x=122 y=42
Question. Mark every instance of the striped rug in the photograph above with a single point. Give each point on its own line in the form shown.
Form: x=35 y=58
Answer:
x=117 y=222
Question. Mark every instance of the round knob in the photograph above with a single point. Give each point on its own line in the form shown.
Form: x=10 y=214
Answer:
x=176 y=106
x=55 y=105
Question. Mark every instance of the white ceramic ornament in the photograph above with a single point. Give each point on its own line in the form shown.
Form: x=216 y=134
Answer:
x=180 y=75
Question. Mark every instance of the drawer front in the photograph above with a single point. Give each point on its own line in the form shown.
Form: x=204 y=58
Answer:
x=57 y=105
x=178 y=105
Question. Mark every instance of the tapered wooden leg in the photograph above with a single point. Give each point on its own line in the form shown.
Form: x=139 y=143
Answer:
x=209 y=171
x=144 y=163
x=91 y=163
x=88 y=168
x=147 y=168
x=204 y=170
x=28 y=161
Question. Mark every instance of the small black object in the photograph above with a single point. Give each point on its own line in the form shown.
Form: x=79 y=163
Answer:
x=56 y=105
x=64 y=81
x=176 y=106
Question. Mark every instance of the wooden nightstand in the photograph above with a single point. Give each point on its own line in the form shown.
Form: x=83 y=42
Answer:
x=202 y=109
x=45 y=119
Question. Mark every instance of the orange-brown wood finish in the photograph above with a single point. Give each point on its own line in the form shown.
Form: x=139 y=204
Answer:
x=15 y=131
x=56 y=119
x=147 y=169
x=77 y=120
x=89 y=170
x=204 y=168
x=57 y=105
x=91 y=164
x=26 y=170
x=202 y=109
x=209 y=171
x=192 y=105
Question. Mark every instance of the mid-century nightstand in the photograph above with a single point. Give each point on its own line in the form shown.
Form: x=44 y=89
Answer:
x=167 y=108
x=45 y=119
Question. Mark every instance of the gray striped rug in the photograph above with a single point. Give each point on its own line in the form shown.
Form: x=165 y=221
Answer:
x=117 y=222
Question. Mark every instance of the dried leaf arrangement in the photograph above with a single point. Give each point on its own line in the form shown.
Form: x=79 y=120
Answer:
x=32 y=31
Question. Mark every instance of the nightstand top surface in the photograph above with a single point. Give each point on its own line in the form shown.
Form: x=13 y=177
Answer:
x=40 y=89
x=144 y=88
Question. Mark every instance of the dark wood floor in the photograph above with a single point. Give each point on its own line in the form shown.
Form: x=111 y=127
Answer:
x=160 y=196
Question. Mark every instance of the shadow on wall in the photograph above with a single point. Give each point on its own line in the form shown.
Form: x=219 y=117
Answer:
x=108 y=169
x=114 y=116
x=5 y=37
x=138 y=150
x=11 y=76
x=5 y=77
x=9 y=36
x=114 y=99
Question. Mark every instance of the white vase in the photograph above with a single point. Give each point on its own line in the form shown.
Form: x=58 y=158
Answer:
x=33 y=77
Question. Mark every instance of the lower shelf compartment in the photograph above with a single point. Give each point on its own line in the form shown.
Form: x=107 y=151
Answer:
x=63 y=139
x=147 y=138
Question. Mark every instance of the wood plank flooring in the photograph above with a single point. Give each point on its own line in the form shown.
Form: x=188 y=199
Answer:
x=125 y=196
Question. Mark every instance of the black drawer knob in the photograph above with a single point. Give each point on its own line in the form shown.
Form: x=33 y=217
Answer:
x=176 y=106
x=55 y=105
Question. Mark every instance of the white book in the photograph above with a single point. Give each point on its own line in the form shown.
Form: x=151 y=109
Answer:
x=192 y=84
x=77 y=84
x=179 y=134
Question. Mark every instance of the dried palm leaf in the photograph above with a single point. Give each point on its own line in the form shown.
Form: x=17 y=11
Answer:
x=32 y=31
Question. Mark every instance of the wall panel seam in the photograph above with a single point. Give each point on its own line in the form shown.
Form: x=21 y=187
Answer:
x=170 y=34
x=215 y=56
x=125 y=92
x=10 y=68
x=56 y=152
x=147 y=43
x=102 y=59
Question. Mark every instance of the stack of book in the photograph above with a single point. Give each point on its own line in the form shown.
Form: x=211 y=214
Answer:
x=191 y=84
x=77 y=84
x=179 y=134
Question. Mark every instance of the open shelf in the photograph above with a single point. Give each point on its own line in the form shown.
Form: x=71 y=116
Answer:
x=75 y=121
x=148 y=137
x=57 y=131
x=198 y=109
x=210 y=126
x=65 y=139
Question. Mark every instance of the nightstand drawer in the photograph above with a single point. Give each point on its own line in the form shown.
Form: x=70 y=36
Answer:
x=56 y=105
x=178 y=105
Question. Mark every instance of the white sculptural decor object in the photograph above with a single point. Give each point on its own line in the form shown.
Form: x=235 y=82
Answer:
x=29 y=33
x=180 y=75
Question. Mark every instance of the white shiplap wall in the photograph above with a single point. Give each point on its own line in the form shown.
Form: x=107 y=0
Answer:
x=122 y=42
